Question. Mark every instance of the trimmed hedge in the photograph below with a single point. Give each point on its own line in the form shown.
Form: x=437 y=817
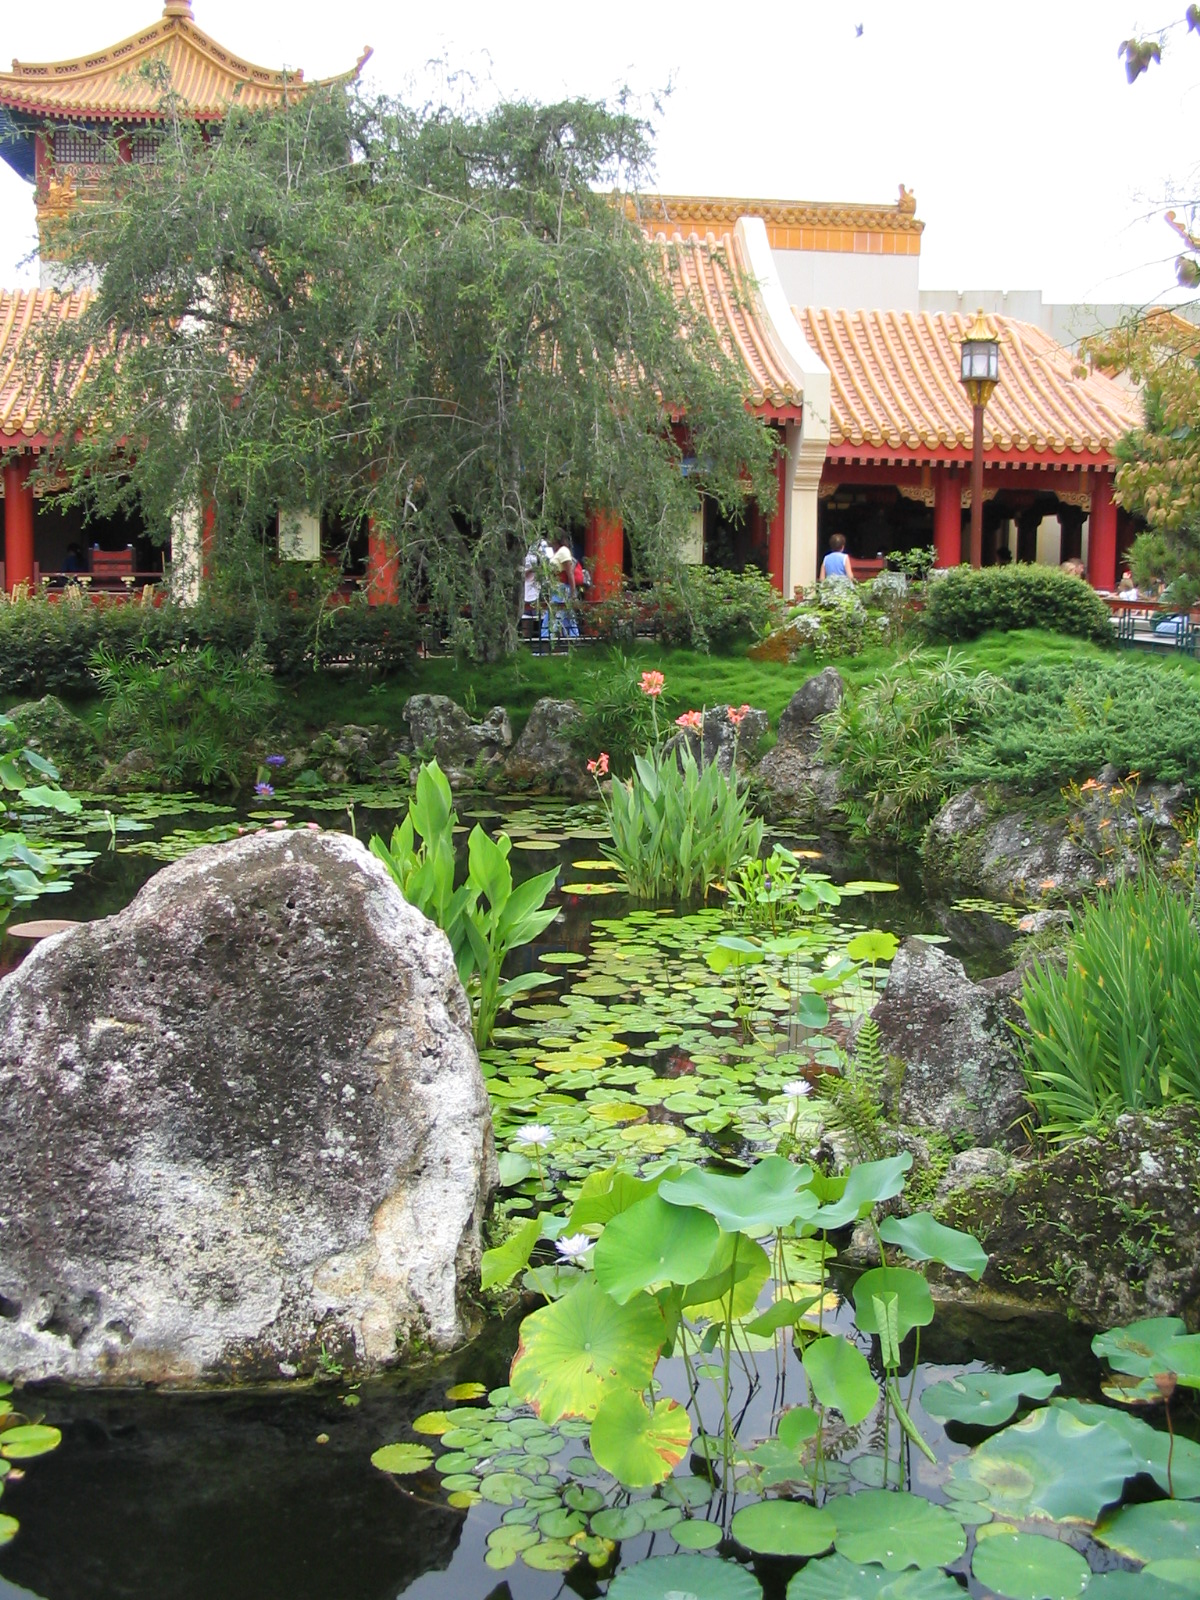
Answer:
x=47 y=647
x=968 y=602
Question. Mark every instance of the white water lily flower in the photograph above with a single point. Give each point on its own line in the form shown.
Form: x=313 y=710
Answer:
x=800 y=1090
x=535 y=1134
x=572 y=1246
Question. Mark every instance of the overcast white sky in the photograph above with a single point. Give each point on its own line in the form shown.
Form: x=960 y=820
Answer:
x=1034 y=163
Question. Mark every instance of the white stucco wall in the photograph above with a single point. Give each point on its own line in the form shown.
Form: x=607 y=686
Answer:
x=840 y=281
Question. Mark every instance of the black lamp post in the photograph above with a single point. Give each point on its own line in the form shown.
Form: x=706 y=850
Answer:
x=980 y=374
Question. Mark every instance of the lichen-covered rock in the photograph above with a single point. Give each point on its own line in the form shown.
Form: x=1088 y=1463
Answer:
x=1107 y=1226
x=790 y=781
x=465 y=750
x=720 y=739
x=1011 y=851
x=242 y=1120
x=60 y=736
x=814 y=699
x=545 y=758
x=351 y=754
x=955 y=1039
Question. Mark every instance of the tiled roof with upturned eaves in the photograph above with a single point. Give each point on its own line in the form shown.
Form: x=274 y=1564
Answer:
x=22 y=311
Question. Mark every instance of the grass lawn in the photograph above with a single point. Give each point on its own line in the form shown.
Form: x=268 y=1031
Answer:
x=693 y=679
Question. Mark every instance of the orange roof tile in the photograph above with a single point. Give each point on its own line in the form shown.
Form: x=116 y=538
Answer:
x=710 y=275
x=20 y=311
x=895 y=386
x=685 y=211
x=108 y=84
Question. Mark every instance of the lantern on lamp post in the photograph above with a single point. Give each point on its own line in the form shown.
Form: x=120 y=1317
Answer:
x=980 y=375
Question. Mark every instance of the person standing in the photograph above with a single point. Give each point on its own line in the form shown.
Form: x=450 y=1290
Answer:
x=836 y=565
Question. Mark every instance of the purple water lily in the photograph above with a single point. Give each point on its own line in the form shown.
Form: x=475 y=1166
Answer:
x=263 y=790
x=276 y=761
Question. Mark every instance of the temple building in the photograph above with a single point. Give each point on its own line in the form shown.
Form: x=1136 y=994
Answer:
x=844 y=354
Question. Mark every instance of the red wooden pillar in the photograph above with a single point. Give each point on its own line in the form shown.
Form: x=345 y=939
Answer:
x=1102 y=533
x=775 y=537
x=208 y=535
x=383 y=569
x=18 y=523
x=604 y=553
x=947 y=517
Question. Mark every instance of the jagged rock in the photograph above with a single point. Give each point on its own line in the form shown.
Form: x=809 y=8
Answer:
x=980 y=1164
x=464 y=749
x=720 y=740
x=1106 y=1226
x=961 y=1071
x=816 y=698
x=544 y=758
x=1022 y=854
x=351 y=754
x=60 y=736
x=791 y=782
x=242 y=1120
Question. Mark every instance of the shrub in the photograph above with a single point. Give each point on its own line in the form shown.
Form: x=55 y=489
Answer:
x=898 y=739
x=1054 y=724
x=1119 y=1030
x=967 y=602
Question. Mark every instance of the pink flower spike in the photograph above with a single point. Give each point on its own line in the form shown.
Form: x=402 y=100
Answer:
x=739 y=716
x=599 y=767
x=690 y=720
x=652 y=684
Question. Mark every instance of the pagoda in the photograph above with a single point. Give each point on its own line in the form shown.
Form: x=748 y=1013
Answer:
x=62 y=123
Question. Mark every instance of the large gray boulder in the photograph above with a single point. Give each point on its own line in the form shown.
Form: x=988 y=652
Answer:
x=545 y=757
x=791 y=780
x=60 y=736
x=465 y=750
x=955 y=1038
x=727 y=737
x=799 y=722
x=243 y=1121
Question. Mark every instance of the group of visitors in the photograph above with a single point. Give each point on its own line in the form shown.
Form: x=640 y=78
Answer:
x=555 y=581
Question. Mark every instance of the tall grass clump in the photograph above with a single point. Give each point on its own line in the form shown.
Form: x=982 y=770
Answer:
x=1119 y=1030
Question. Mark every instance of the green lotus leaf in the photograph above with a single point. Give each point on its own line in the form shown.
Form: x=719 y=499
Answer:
x=874 y=946
x=986 y=1398
x=1151 y=1447
x=1164 y=1530
x=923 y=1238
x=1121 y=1584
x=639 y=1447
x=866 y=1185
x=501 y=1265
x=618 y=1522
x=1178 y=1570
x=1028 y=1566
x=605 y=1195
x=402 y=1459
x=8 y=1529
x=573 y=1349
x=771 y=1195
x=1139 y=1347
x=783 y=1314
x=811 y=1011
x=653 y=1243
x=835 y=1578
x=783 y=1528
x=514 y=1169
x=841 y=1376
x=896 y=1529
x=775 y=1465
x=797 y=1426
x=914 y=1303
x=697 y=1534
x=1050 y=1464
x=748 y=1269
x=686 y=1577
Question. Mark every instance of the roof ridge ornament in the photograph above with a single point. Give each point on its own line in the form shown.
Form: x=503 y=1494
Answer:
x=179 y=8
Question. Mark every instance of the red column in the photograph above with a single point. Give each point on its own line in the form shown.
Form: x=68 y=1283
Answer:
x=1102 y=533
x=208 y=535
x=604 y=552
x=947 y=517
x=18 y=522
x=775 y=537
x=383 y=569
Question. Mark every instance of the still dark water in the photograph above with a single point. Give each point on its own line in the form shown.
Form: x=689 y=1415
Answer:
x=190 y=1497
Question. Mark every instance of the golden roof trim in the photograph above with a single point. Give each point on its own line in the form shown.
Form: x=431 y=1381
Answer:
x=723 y=211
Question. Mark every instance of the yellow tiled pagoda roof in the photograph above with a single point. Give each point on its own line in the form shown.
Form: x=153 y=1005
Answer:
x=894 y=386
x=709 y=274
x=848 y=226
x=107 y=84
x=22 y=310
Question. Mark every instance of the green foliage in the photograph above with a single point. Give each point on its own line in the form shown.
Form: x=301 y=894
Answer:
x=29 y=790
x=486 y=916
x=986 y=1398
x=1120 y=1029
x=711 y=608
x=968 y=601
x=678 y=828
x=425 y=316
x=833 y=620
x=616 y=716
x=195 y=715
x=1053 y=724
x=898 y=740
x=855 y=1099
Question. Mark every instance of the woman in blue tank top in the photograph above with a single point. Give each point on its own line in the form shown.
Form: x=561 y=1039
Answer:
x=836 y=564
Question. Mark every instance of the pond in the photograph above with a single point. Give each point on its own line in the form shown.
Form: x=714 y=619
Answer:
x=633 y=1047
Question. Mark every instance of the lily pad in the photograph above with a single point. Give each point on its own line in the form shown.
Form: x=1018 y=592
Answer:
x=1151 y=1447
x=572 y=1349
x=896 y=1529
x=402 y=1459
x=1164 y=1530
x=1050 y=1464
x=1028 y=1566
x=618 y=1522
x=835 y=1578
x=551 y=1555
x=686 y=1577
x=783 y=1528
x=653 y=1243
x=1121 y=1584
x=923 y=1238
x=8 y=1529
x=697 y=1534
x=639 y=1447
x=841 y=1376
x=986 y=1398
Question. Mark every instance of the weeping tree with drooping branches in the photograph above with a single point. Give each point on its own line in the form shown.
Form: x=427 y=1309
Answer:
x=446 y=321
